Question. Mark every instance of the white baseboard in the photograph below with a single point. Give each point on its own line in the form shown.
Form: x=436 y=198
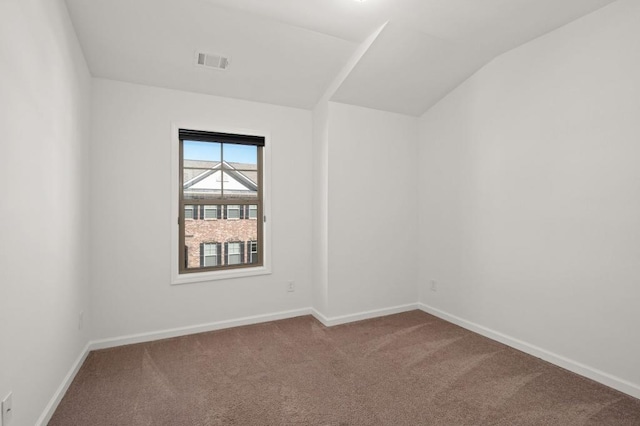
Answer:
x=343 y=319
x=256 y=319
x=62 y=389
x=566 y=363
x=193 y=329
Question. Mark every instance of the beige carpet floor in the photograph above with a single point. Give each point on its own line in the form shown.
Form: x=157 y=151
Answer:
x=405 y=369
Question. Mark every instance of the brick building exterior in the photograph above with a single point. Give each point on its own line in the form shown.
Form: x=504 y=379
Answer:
x=239 y=232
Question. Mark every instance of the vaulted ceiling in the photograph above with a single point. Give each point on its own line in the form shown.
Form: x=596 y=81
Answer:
x=287 y=52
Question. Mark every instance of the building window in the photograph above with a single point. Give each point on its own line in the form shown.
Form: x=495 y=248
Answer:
x=188 y=212
x=210 y=212
x=253 y=252
x=210 y=254
x=253 y=211
x=233 y=212
x=234 y=253
x=220 y=178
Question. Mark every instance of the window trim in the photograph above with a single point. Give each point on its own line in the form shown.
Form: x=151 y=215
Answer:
x=245 y=271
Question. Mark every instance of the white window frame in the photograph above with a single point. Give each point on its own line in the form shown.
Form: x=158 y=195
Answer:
x=195 y=277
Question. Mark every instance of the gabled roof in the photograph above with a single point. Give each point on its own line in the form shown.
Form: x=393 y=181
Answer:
x=201 y=176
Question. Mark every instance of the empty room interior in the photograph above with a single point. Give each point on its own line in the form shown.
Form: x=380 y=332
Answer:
x=323 y=212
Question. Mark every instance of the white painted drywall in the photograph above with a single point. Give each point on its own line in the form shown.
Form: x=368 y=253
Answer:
x=131 y=183
x=530 y=194
x=44 y=207
x=372 y=209
x=320 y=217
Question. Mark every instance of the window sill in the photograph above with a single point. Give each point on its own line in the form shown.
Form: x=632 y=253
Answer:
x=198 y=277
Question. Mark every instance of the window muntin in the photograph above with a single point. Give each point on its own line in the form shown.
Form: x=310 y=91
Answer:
x=221 y=178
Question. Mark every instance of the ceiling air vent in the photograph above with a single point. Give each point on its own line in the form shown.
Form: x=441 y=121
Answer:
x=212 y=60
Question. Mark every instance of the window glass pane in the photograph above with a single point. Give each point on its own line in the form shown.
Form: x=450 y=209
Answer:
x=234 y=254
x=210 y=252
x=253 y=211
x=241 y=156
x=210 y=212
x=204 y=184
x=234 y=248
x=188 y=212
x=233 y=212
x=206 y=152
x=200 y=168
x=253 y=253
x=238 y=184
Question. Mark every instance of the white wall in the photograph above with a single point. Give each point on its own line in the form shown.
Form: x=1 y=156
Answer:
x=131 y=183
x=530 y=194
x=372 y=209
x=320 y=233
x=44 y=207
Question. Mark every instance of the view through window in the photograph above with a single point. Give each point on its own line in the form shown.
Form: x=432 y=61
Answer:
x=221 y=199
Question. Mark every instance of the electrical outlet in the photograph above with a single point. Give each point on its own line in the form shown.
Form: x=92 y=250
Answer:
x=81 y=320
x=7 y=409
x=291 y=286
x=434 y=285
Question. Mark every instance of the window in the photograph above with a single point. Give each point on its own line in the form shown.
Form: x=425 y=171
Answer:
x=210 y=212
x=220 y=179
x=209 y=254
x=253 y=212
x=235 y=253
x=253 y=252
x=188 y=212
x=233 y=212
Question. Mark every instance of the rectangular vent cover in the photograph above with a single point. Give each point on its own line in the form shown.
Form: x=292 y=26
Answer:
x=212 y=60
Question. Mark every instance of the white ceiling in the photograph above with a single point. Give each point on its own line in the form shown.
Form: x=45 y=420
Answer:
x=153 y=42
x=287 y=52
x=420 y=67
